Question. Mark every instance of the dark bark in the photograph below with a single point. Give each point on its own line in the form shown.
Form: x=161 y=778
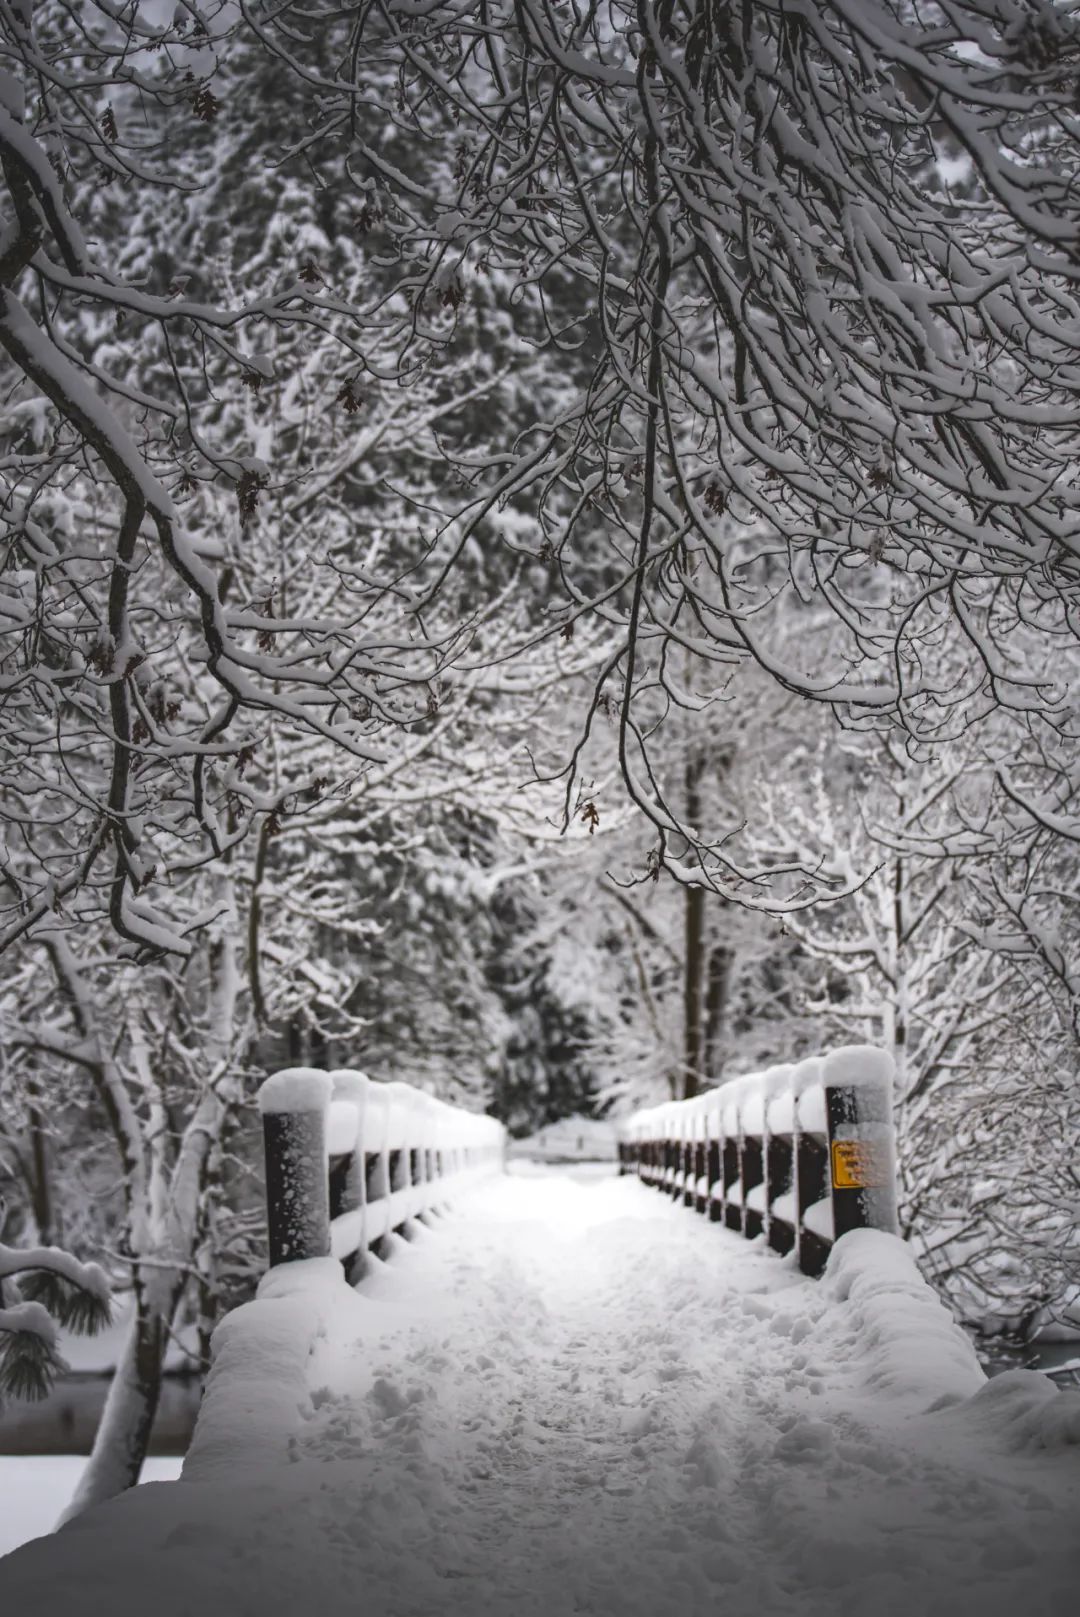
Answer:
x=123 y=1433
x=718 y=994
x=693 y=949
x=40 y=1180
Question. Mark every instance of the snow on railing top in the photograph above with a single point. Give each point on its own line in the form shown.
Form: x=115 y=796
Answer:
x=349 y=1160
x=800 y=1153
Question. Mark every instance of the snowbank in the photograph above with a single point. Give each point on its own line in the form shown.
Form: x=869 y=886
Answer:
x=37 y=1488
x=257 y=1389
x=1023 y=1410
x=904 y=1340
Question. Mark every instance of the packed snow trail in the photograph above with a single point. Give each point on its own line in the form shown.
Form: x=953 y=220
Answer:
x=575 y=1397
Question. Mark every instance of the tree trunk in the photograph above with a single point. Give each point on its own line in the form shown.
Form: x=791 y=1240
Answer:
x=721 y=960
x=318 y=1046
x=901 y=995
x=41 y=1187
x=294 y=1033
x=123 y=1432
x=694 y=951
x=693 y=990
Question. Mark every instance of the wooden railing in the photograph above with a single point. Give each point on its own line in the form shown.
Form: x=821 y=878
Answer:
x=348 y=1161
x=800 y=1154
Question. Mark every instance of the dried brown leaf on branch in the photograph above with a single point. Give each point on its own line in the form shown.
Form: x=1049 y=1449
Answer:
x=248 y=487
x=205 y=104
x=716 y=498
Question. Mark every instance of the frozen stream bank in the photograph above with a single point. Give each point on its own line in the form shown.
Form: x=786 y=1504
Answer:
x=574 y=1397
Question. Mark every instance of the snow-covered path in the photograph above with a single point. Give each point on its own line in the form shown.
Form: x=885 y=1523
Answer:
x=573 y=1397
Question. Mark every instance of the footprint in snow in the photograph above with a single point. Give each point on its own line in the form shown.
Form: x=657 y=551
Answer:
x=805 y=1440
x=390 y=1400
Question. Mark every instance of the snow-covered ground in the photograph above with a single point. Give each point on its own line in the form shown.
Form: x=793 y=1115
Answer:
x=36 y=1488
x=571 y=1139
x=574 y=1397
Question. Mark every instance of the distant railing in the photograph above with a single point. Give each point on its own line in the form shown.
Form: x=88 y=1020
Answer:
x=349 y=1161
x=800 y=1154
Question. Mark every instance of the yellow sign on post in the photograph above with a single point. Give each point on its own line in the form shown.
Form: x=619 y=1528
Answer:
x=857 y=1165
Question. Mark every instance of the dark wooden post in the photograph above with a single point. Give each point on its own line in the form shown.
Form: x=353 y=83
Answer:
x=811 y=1163
x=778 y=1154
x=714 y=1173
x=780 y=1181
x=688 y=1158
x=351 y=1087
x=862 y=1152
x=293 y=1106
x=731 y=1167
x=812 y=1187
x=342 y=1180
x=701 y=1166
x=752 y=1174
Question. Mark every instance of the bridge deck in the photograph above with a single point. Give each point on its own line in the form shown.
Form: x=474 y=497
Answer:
x=577 y=1398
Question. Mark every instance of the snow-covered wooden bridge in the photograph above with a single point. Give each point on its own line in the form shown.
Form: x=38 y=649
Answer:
x=568 y=1394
